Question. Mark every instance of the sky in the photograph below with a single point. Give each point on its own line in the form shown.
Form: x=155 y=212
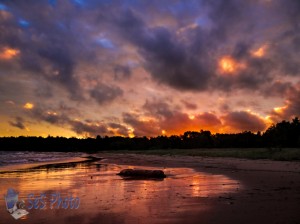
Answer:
x=84 y=68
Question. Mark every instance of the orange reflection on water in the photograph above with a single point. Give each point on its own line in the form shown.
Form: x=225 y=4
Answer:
x=103 y=193
x=205 y=186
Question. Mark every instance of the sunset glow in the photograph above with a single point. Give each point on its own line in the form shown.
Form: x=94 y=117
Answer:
x=192 y=117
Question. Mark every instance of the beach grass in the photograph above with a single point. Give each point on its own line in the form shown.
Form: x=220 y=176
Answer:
x=278 y=154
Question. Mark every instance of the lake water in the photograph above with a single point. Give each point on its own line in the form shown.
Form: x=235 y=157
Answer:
x=108 y=198
x=25 y=157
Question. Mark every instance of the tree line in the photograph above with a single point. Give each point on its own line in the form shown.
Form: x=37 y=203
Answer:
x=285 y=134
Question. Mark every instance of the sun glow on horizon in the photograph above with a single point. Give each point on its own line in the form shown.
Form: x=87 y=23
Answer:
x=192 y=117
x=131 y=133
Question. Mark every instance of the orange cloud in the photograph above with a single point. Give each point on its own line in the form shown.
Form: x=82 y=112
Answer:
x=291 y=107
x=174 y=123
x=280 y=110
x=260 y=52
x=141 y=127
x=229 y=65
x=180 y=122
x=238 y=121
x=28 y=106
x=8 y=53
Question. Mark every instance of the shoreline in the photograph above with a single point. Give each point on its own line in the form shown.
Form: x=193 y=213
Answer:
x=27 y=166
x=204 y=163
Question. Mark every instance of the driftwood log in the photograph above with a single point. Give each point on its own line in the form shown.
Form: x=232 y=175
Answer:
x=142 y=173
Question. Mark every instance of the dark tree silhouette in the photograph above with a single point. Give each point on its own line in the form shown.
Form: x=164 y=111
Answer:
x=282 y=134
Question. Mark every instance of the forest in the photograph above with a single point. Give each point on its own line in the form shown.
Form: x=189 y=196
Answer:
x=285 y=134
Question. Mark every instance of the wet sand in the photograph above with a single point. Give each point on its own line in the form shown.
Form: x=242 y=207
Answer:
x=196 y=190
x=270 y=191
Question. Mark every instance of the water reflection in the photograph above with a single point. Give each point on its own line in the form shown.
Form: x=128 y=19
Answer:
x=102 y=193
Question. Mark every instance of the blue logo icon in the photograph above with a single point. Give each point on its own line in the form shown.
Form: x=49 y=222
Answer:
x=13 y=205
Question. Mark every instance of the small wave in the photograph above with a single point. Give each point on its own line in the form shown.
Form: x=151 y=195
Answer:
x=13 y=158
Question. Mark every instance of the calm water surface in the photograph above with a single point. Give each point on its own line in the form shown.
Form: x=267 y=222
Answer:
x=108 y=198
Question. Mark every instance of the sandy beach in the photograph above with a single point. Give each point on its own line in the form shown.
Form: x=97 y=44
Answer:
x=196 y=190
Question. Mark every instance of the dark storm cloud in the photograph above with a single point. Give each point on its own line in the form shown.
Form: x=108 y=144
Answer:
x=237 y=27
x=50 y=44
x=58 y=36
x=122 y=72
x=189 y=105
x=167 y=59
x=119 y=128
x=62 y=67
x=244 y=121
x=62 y=116
x=49 y=115
x=18 y=123
x=103 y=93
x=89 y=129
x=247 y=25
x=178 y=43
x=190 y=60
x=208 y=120
x=293 y=102
x=44 y=91
x=291 y=107
x=277 y=89
x=142 y=128
x=159 y=108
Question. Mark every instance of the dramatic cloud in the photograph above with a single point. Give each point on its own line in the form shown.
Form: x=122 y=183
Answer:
x=142 y=127
x=181 y=122
x=67 y=117
x=88 y=129
x=148 y=67
x=103 y=93
x=18 y=123
x=122 y=72
x=189 y=105
x=162 y=119
x=119 y=129
x=291 y=107
x=190 y=60
x=244 y=121
x=277 y=89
